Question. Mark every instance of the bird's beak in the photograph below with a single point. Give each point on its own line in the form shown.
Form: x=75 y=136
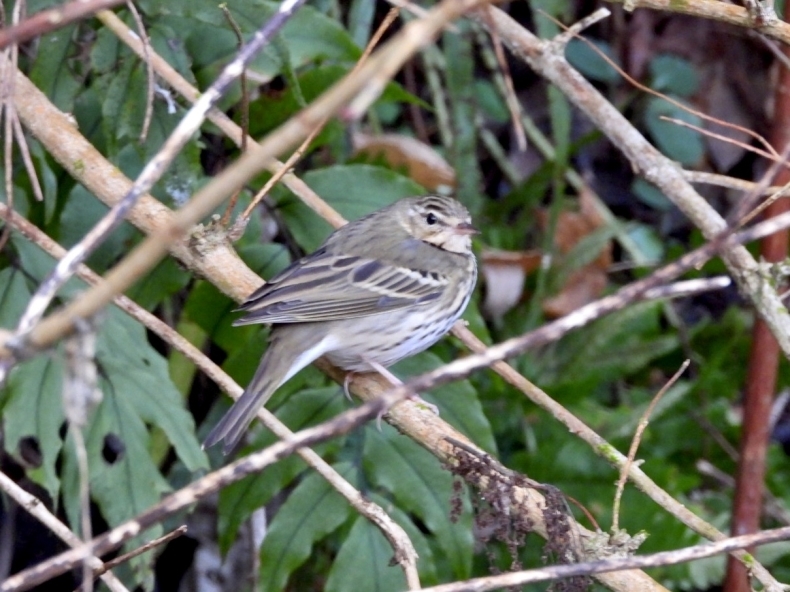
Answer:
x=466 y=228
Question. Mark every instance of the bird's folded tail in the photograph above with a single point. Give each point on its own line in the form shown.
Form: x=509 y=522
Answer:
x=277 y=366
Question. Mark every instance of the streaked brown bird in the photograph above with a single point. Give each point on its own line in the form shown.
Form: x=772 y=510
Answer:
x=379 y=289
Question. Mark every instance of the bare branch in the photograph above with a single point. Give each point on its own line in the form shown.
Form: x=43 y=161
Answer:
x=38 y=510
x=52 y=19
x=637 y=562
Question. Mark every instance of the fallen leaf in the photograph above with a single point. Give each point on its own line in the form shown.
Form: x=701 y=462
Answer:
x=504 y=273
x=426 y=166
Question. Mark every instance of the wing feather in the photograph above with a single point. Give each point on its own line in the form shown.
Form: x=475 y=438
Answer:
x=322 y=287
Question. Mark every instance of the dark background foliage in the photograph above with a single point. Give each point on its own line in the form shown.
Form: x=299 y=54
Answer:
x=144 y=438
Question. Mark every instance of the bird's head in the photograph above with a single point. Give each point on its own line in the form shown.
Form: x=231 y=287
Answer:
x=438 y=220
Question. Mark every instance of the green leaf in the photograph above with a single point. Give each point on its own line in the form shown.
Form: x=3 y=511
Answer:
x=210 y=309
x=650 y=195
x=422 y=487
x=33 y=407
x=649 y=241
x=616 y=345
x=123 y=97
x=360 y=21
x=299 y=410
x=167 y=44
x=363 y=562
x=52 y=71
x=37 y=265
x=14 y=295
x=138 y=374
x=81 y=212
x=309 y=35
x=105 y=51
x=47 y=179
x=590 y=63
x=312 y=511
x=269 y=111
x=673 y=75
x=490 y=101
x=678 y=143
x=265 y=260
x=164 y=280
x=353 y=190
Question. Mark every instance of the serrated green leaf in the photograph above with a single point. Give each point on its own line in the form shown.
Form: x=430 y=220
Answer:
x=312 y=511
x=354 y=190
x=124 y=100
x=168 y=45
x=363 y=562
x=33 y=407
x=239 y=500
x=421 y=486
x=309 y=35
x=138 y=373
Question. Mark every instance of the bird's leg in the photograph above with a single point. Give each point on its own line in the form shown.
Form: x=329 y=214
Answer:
x=395 y=381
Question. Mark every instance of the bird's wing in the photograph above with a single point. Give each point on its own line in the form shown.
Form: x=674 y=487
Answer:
x=322 y=287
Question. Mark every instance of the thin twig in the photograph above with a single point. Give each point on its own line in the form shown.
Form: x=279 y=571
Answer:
x=34 y=506
x=641 y=427
x=513 y=106
x=245 y=110
x=149 y=70
x=158 y=542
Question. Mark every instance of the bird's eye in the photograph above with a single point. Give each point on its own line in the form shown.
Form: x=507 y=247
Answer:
x=431 y=219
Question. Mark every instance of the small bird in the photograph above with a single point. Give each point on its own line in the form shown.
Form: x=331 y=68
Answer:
x=380 y=289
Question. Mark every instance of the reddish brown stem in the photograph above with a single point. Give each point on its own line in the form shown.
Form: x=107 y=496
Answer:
x=762 y=371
